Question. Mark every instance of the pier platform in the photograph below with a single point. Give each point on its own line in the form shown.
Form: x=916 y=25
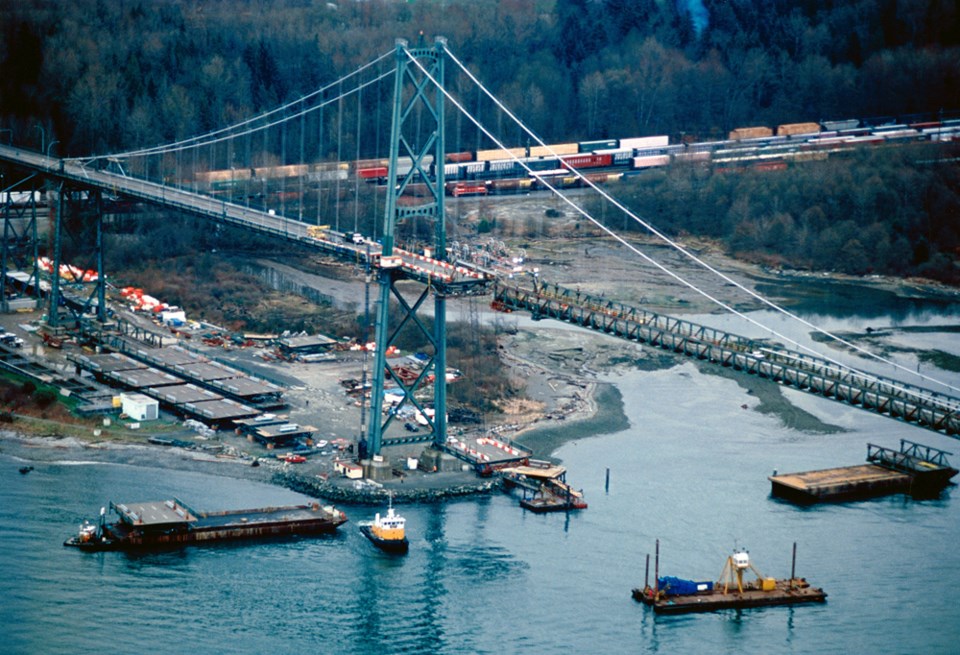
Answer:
x=544 y=487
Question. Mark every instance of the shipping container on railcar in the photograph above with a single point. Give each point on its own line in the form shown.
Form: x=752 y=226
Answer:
x=504 y=168
x=590 y=146
x=541 y=163
x=643 y=142
x=501 y=153
x=649 y=161
x=694 y=157
x=907 y=134
x=554 y=150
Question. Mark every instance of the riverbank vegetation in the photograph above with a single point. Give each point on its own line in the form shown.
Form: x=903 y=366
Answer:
x=92 y=76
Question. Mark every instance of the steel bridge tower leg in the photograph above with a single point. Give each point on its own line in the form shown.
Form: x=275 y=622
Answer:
x=20 y=248
x=417 y=134
x=79 y=205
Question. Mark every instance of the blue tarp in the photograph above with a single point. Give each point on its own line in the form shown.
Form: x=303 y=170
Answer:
x=672 y=586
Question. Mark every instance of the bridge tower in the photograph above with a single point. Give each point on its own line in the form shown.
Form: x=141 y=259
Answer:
x=417 y=135
x=78 y=214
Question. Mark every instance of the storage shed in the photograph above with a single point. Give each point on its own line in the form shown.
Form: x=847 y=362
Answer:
x=139 y=407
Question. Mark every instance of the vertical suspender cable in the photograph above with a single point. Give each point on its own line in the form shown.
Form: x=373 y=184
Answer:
x=336 y=200
x=356 y=188
x=302 y=170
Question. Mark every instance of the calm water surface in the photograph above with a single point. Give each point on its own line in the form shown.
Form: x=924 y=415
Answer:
x=483 y=576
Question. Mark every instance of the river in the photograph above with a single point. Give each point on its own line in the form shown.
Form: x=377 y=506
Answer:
x=483 y=576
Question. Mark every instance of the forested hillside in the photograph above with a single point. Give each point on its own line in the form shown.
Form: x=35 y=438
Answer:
x=105 y=75
x=102 y=75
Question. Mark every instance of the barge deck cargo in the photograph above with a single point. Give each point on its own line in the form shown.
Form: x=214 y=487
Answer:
x=169 y=523
x=671 y=595
x=779 y=592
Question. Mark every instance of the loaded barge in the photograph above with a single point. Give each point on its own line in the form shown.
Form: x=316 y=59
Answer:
x=160 y=524
x=671 y=595
x=915 y=469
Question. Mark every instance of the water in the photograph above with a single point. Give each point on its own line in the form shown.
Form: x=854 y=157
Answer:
x=483 y=576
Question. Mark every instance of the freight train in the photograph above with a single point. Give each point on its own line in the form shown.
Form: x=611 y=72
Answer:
x=521 y=170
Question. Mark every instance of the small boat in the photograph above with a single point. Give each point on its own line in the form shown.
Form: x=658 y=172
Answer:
x=25 y=469
x=388 y=533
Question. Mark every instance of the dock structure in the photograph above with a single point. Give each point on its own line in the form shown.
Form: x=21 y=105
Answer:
x=247 y=426
x=914 y=469
x=915 y=405
x=544 y=487
x=278 y=436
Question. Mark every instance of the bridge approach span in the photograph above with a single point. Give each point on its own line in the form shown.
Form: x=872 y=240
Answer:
x=446 y=277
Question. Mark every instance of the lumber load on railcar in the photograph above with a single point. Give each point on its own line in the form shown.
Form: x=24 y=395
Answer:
x=758 y=132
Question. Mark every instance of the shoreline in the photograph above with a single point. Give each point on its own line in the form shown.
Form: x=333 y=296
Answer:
x=568 y=374
x=569 y=403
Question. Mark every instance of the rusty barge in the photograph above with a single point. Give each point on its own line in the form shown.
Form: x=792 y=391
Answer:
x=915 y=469
x=671 y=595
x=172 y=523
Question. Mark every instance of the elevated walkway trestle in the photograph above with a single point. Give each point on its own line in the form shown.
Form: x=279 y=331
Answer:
x=915 y=405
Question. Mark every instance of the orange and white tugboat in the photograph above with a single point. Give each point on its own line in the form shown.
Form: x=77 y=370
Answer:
x=388 y=533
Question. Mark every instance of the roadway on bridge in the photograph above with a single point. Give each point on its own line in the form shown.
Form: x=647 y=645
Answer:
x=425 y=269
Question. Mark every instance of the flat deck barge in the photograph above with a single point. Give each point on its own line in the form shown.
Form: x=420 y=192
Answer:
x=915 y=469
x=161 y=524
x=671 y=595
x=784 y=592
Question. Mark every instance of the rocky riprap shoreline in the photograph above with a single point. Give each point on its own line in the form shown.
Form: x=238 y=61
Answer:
x=344 y=492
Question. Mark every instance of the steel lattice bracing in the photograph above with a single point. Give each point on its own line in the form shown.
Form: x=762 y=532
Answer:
x=18 y=260
x=417 y=132
x=74 y=208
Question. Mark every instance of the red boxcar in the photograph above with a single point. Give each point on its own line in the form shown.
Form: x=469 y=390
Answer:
x=459 y=157
x=372 y=173
x=586 y=161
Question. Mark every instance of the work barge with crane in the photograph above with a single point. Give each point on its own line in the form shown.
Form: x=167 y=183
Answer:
x=671 y=595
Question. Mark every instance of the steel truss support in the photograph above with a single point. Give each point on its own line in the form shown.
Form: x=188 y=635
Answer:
x=417 y=133
x=78 y=213
x=20 y=250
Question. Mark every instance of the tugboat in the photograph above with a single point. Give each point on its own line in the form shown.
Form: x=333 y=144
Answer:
x=387 y=532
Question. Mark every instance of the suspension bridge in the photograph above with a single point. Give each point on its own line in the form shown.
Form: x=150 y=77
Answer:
x=271 y=174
